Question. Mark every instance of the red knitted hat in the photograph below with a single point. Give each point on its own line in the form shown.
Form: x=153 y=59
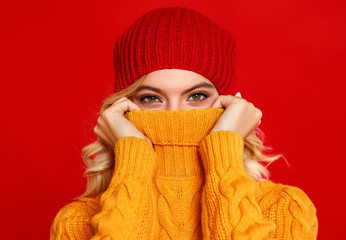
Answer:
x=175 y=37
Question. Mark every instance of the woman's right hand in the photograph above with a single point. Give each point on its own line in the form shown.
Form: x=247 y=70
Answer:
x=112 y=125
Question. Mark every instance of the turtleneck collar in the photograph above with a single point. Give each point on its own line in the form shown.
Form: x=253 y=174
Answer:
x=176 y=136
x=175 y=127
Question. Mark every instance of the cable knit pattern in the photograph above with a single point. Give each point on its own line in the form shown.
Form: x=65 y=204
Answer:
x=176 y=136
x=190 y=185
x=230 y=210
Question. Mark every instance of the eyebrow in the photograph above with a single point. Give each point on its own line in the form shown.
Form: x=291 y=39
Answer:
x=204 y=84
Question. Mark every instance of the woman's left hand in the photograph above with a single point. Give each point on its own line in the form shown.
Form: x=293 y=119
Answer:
x=240 y=116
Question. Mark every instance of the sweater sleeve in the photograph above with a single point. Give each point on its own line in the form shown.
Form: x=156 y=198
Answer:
x=126 y=207
x=293 y=212
x=73 y=220
x=229 y=207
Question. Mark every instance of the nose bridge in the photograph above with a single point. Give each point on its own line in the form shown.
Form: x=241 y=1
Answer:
x=173 y=104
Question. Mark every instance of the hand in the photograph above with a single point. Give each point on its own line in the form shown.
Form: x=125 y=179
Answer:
x=112 y=125
x=240 y=116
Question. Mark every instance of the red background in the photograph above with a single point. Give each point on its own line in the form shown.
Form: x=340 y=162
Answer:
x=56 y=68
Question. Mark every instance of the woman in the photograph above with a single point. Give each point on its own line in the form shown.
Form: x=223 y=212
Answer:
x=177 y=155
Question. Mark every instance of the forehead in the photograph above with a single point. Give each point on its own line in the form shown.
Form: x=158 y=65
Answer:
x=173 y=78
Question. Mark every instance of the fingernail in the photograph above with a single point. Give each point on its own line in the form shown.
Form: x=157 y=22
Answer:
x=238 y=94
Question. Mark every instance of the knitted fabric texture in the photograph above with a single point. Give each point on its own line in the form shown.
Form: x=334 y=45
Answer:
x=175 y=38
x=190 y=185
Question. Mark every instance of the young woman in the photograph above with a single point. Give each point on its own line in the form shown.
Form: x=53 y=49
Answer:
x=177 y=155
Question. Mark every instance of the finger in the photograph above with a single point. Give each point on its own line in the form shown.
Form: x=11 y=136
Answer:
x=148 y=140
x=217 y=103
x=226 y=100
x=259 y=123
x=220 y=101
x=259 y=112
x=119 y=101
x=127 y=106
x=132 y=106
x=116 y=122
x=122 y=106
x=238 y=95
x=104 y=129
x=102 y=136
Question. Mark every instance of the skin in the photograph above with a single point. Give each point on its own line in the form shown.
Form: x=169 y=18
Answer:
x=171 y=89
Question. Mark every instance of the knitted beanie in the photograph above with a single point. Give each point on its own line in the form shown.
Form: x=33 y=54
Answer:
x=175 y=38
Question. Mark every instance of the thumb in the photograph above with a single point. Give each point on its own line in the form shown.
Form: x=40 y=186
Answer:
x=217 y=103
x=148 y=140
x=224 y=101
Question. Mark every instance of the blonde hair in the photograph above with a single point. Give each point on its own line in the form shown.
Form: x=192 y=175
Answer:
x=100 y=169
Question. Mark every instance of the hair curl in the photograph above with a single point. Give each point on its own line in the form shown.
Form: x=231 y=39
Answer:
x=100 y=168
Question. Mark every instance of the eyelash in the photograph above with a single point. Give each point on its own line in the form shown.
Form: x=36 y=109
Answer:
x=197 y=93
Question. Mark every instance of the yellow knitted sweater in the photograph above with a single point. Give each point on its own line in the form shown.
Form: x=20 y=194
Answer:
x=191 y=184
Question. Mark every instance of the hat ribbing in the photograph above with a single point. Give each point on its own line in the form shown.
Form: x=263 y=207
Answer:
x=175 y=37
